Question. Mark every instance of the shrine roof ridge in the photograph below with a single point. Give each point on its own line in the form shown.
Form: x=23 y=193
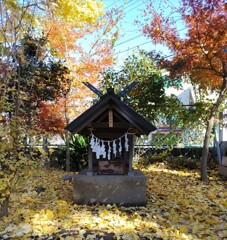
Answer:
x=110 y=100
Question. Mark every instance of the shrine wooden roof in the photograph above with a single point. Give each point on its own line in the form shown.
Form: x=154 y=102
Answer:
x=110 y=100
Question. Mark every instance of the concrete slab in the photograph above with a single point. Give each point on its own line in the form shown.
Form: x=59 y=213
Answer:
x=222 y=170
x=122 y=190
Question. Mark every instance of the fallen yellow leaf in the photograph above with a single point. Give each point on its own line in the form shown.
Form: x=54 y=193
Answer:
x=183 y=229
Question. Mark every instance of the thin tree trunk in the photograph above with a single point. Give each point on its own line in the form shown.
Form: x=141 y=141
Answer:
x=29 y=125
x=18 y=99
x=67 y=167
x=205 y=151
x=46 y=150
x=67 y=151
x=209 y=127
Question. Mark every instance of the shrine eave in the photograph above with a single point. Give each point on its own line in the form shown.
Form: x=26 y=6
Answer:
x=110 y=100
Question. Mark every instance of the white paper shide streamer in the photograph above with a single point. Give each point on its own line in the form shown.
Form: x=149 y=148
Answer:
x=104 y=148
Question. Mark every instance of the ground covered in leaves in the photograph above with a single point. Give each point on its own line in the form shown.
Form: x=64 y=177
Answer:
x=179 y=206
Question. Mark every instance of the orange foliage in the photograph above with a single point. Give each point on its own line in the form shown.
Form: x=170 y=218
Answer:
x=201 y=52
x=87 y=52
x=90 y=68
x=62 y=36
x=49 y=119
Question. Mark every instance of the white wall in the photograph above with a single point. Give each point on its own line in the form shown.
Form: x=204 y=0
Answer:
x=185 y=94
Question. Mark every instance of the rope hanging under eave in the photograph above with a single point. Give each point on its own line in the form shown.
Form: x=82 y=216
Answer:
x=104 y=148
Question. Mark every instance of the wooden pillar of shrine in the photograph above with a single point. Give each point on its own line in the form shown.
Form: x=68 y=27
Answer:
x=90 y=162
x=131 y=153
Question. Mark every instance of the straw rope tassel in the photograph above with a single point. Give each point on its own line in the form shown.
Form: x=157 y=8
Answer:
x=98 y=146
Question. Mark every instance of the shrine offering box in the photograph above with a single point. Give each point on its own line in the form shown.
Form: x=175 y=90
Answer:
x=111 y=167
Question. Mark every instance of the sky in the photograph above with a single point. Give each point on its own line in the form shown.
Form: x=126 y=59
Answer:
x=131 y=37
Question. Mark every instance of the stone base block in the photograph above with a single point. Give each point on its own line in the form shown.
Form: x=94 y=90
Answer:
x=122 y=190
x=222 y=170
x=224 y=161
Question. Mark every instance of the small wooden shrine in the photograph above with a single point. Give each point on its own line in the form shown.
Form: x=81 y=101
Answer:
x=111 y=126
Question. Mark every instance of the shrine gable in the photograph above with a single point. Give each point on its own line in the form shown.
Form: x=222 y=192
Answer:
x=112 y=114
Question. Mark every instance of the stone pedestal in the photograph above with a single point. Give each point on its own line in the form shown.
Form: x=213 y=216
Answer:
x=224 y=161
x=109 y=189
x=222 y=170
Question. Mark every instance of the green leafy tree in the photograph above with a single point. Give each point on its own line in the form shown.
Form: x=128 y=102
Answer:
x=149 y=99
x=148 y=95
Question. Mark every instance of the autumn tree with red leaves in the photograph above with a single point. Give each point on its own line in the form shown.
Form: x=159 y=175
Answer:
x=26 y=80
x=200 y=54
x=87 y=52
x=49 y=119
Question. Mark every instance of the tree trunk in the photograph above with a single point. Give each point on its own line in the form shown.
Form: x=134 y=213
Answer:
x=67 y=167
x=205 y=151
x=67 y=163
x=67 y=151
x=210 y=123
x=46 y=150
x=18 y=101
x=29 y=124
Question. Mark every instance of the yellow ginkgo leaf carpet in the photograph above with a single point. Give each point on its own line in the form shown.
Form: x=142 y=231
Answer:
x=179 y=206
